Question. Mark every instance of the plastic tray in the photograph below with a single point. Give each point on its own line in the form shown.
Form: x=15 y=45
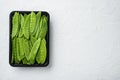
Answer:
x=10 y=42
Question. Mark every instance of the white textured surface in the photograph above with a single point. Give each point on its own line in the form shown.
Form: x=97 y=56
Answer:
x=85 y=40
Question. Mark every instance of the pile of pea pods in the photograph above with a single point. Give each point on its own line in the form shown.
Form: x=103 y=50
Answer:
x=28 y=38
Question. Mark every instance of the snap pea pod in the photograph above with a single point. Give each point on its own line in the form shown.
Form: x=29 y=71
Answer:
x=15 y=24
x=21 y=25
x=25 y=61
x=39 y=28
x=43 y=30
x=21 y=48
x=41 y=55
x=26 y=27
x=13 y=50
x=28 y=43
x=32 y=21
x=38 y=17
x=17 y=56
x=32 y=39
x=33 y=52
x=26 y=47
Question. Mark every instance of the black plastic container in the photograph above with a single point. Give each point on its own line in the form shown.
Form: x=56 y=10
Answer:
x=10 y=42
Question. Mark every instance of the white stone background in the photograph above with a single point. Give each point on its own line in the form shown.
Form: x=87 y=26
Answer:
x=85 y=40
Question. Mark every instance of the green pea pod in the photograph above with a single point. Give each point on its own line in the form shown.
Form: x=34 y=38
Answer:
x=39 y=28
x=21 y=48
x=17 y=56
x=15 y=24
x=26 y=47
x=19 y=30
x=32 y=21
x=21 y=25
x=43 y=30
x=32 y=39
x=38 y=16
x=13 y=50
x=41 y=56
x=33 y=52
x=25 y=61
x=26 y=27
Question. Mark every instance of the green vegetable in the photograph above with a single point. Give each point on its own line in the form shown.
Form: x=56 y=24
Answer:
x=21 y=25
x=33 y=52
x=26 y=47
x=33 y=39
x=26 y=27
x=21 y=48
x=41 y=56
x=38 y=17
x=13 y=50
x=43 y=30
x=17 y=56
x=32 y=21
x=15 y=24
x=38 y=29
